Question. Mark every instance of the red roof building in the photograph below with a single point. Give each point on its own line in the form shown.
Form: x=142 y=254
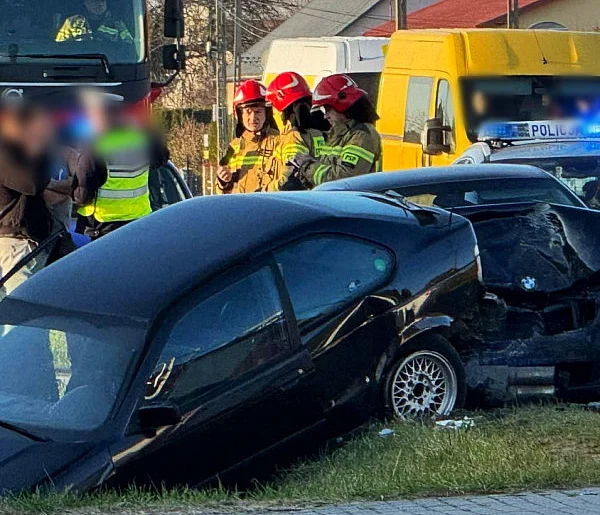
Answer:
x=450 y=14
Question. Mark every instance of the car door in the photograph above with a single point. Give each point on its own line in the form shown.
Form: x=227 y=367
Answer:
x=333 y=282
x=233 y=367
x=418 y=105
x=444 y=111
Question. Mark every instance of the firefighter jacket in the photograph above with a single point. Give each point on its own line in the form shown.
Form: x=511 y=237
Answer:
x=291 y=143
x=125 y=194
x=351 y=148
x=250 y=158
x=78 y=28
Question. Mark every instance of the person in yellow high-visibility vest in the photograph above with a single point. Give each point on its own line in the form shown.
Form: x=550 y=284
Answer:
x=115 y=191
x=95 y=21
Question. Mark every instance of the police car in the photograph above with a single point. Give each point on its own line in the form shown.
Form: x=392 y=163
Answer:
x=569 y=150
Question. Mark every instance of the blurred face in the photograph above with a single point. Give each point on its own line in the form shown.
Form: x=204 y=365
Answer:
x=31 y=131
x=11 y=128
x=38 y=133
x=253 y=117
x=97 y=117
x=97 y=7
x=479 y=103
x=334 y=117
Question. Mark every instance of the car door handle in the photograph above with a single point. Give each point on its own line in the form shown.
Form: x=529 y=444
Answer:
x=293 y=382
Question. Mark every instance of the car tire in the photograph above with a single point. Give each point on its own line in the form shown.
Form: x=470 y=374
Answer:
x=427 y=380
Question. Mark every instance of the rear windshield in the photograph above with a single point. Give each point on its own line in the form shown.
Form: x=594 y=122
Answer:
x=487 y=192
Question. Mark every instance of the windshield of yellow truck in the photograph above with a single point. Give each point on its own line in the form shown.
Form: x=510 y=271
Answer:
x=528 y=98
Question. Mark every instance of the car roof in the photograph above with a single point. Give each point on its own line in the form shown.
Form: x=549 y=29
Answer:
x=434 y=175
x=135 y=270
x=548 y=149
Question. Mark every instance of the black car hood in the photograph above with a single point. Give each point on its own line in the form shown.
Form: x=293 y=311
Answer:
x=536 y=247
x=25 y=463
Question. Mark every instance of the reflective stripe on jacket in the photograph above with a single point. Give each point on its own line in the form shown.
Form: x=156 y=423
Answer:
x=291 y=143
x=77 y=27
x=125 y=195
x=250 y=158
x=350 y=149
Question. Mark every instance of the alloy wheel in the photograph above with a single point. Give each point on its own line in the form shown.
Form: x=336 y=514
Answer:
x=423 y=385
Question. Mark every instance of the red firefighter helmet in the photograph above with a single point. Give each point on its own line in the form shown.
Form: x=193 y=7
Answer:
x=287 y=88
x=249 y=92
x=338 y=91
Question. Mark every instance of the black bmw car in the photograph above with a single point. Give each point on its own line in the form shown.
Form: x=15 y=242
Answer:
x=223 y=329
x=538 y=330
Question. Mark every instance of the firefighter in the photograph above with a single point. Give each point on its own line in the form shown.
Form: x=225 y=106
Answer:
x=290 y=94
x=352 y=145
x=94 y=22
x=246 y=166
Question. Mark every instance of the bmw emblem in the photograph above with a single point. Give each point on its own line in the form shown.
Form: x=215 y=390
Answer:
x=529 y=283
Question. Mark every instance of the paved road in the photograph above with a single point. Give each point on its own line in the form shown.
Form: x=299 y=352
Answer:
x=546 y=503
x=572 y=502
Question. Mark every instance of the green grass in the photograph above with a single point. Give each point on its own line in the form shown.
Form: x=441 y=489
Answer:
x=507 y=450
x=60 y=356
x=59 y=349
x=531 y=448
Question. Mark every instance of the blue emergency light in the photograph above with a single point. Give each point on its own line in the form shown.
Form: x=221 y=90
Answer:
x=539 y=130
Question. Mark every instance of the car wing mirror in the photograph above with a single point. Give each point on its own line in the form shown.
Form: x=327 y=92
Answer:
x=154 y=416
x=433 y=138
x=174 y=22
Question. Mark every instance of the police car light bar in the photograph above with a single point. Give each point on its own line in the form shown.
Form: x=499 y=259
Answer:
x=549 y=129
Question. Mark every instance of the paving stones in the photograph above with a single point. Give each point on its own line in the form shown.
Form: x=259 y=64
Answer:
x=586 y=501
x=569 y=502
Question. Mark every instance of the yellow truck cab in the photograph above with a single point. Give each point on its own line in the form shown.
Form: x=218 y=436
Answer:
x=438 y=86
x=315 y=58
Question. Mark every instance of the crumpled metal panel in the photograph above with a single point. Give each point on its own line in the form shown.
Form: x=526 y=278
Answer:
x=538 y=248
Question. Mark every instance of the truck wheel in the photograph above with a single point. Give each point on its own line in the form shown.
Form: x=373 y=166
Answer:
x=427 y=380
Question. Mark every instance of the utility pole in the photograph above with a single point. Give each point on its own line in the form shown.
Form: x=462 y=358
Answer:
x=512 y=21
x=237 y=43
x=401 y=15
x=221 y=79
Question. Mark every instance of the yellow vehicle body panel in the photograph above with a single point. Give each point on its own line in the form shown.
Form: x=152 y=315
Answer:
x=449 y=55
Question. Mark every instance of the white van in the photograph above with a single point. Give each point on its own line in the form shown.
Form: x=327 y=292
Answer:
x=314 y=58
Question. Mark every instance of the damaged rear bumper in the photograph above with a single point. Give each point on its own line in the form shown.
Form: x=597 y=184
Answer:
x=536 y=354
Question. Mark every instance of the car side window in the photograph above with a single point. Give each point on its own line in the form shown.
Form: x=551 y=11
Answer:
x=325 y=273
x=164 y=188
x=220 y=338
x=418 y=100
x=445 y=111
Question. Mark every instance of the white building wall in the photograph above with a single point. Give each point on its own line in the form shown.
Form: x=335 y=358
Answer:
x=574 y=14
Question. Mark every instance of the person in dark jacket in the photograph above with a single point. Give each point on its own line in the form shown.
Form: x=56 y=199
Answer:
x=25 y=221
x=66 y=163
